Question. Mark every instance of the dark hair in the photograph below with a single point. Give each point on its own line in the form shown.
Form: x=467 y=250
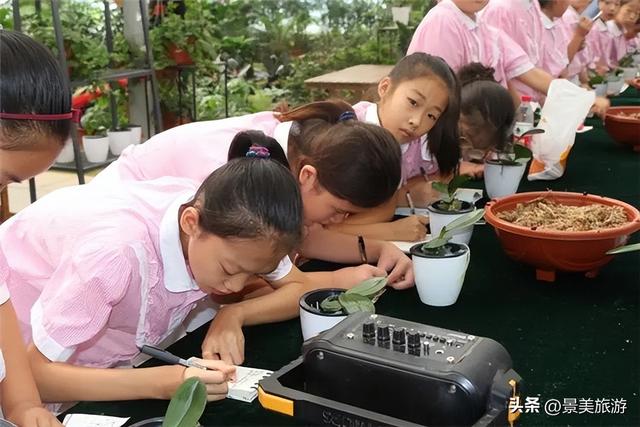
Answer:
x=481 y=93
x=250 y=198
x=545 y=3
x=246 y=139
x=32 y=82
x=357 y=162
x=443 y=138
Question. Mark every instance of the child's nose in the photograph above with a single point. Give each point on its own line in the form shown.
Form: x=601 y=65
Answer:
x=237 y=282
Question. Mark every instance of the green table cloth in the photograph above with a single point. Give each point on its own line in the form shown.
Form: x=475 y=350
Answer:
x=577 y=338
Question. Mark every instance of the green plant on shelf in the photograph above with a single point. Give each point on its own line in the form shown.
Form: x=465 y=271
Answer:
x=97 y=118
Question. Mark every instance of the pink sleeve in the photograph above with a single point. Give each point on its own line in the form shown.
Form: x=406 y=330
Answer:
x=76 y=304
x=429 y=38
x=516 y=61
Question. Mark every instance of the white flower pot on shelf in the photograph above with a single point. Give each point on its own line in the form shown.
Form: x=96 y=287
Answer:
x=502 y=180
x=438 y=218
x=136 y=133
x=66 y=155
x=119 y=140
x=401 y=14
x=96 y=147
x=439 y=278
x=312 y=319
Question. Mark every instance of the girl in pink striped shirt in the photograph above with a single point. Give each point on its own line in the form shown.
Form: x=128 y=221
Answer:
x=35 y=119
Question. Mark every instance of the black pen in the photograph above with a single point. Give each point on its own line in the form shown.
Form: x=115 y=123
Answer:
x=167 y=357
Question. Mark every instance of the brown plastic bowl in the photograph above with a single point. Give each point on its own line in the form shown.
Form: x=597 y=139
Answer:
x=625 y=130
x=550 y=251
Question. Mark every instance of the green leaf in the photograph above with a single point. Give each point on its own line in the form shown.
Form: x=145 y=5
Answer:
x=368 y=288
x=623 y=249
x=435 y=243
x=187 y=404
x=330 y=304
x=521 y=152
x=457 y=182
x=440 y=187
x=464 y=221
x=353 y=303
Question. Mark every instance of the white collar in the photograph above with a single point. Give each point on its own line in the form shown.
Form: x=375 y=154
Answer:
x=547 y=22
x=177 y=277
x=601 y=25
x=371 y=114
x=281 y=134
x=466 y=20
x=613 y=28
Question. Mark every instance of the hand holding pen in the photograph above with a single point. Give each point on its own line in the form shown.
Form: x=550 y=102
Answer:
x=213 y=373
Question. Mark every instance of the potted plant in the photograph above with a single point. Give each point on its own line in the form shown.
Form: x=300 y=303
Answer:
x=614 y=82
x=503 y=172
x=440 y=265
x=185 y=409
x=629 y=70
x=449 y=208
x=95 y=121
x=598 y=83
x=120 y=137
x=323 y=308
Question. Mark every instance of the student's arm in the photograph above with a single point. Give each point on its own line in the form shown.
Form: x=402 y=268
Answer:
x=577 y=42
x=64 y=382
x=20 y=400
x=537 y=79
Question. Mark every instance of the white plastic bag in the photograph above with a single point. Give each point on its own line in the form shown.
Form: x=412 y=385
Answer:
x=563 y=112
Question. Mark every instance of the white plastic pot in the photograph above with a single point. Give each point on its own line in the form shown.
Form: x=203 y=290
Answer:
x=312 y=319
x=614 y=86
x=502 y=180
x=601 y=89
x=96 y=148
x=439 y=279
x=636 y=59
x=66 y=155
x=629 y=73
x=119 y=140
x=135 y=133
x=439 y=218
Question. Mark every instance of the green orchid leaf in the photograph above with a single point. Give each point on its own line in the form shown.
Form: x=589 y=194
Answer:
x=521 y=152
x=464 y=221
x=623 y=249
x=187 y=404
x=369 y=288
x=435 y=243
x=354 y=303
x=330 y=304
x=457 y=182
x=440 y=187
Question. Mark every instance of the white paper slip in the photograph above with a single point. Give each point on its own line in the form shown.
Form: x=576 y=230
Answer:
x=584 y=129
x=245 y=386
x=87 y=420
x=406 y=246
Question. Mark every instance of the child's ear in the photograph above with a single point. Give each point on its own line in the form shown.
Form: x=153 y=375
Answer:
x=384 y=87
x=308 y=178
x=189 y=221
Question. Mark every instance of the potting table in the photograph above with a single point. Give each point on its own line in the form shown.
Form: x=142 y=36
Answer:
x=577 y=338
x=361 y=79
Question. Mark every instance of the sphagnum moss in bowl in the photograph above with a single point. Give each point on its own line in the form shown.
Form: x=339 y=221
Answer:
x=575 y=238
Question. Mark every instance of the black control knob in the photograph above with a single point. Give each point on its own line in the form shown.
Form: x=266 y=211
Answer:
x=398 y=336
x=383 y=332
x=413 y=339
x=368 y=329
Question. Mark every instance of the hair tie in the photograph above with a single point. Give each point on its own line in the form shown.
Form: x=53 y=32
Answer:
x=73 y=115
x=258 y=151
x=347 y=115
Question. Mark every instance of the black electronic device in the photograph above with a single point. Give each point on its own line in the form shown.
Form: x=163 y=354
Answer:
x=372 y=370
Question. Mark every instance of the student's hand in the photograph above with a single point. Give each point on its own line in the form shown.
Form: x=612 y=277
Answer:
x=350 y=276
x=215 y=377
x=225 y=340
x=600 y=106
x=37 y=417
x=475 y=170
x=584 y=26
x=410 y=229
x=399 y=266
